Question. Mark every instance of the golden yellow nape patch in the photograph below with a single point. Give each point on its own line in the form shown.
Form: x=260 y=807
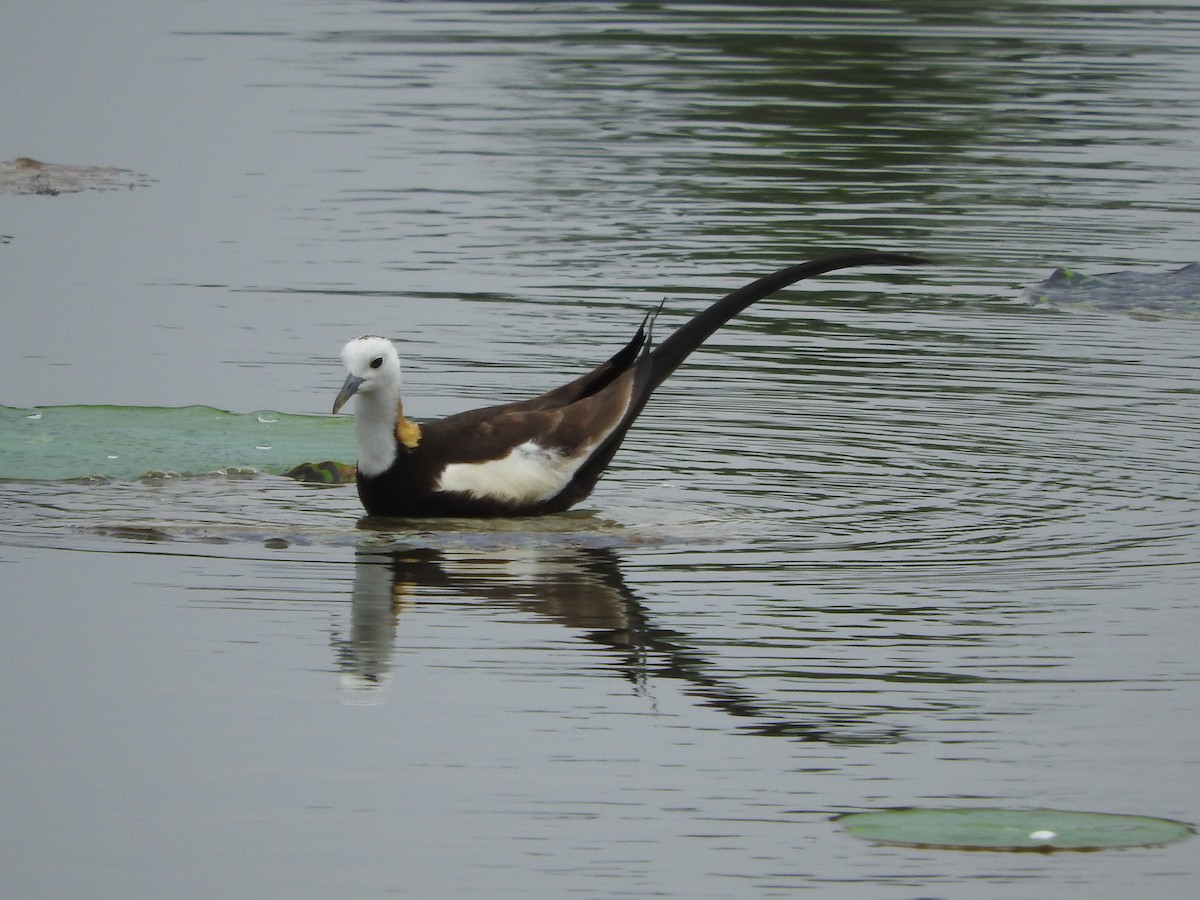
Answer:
x=407 y=433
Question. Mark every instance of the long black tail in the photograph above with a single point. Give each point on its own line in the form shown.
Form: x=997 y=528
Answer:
x=657 y=363
x=667 y=356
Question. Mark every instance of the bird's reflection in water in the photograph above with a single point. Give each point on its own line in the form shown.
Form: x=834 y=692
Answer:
x=581 y=589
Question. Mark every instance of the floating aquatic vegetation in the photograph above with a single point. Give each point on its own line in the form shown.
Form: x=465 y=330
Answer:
x=1042 y=830
x=125 y=443
x=327 y=472
x=1174 y=294
x=30 y=176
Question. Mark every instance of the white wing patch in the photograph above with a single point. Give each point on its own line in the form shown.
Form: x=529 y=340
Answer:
x=528 y=474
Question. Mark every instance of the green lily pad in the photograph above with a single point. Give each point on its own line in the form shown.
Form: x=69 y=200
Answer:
x=1013 y=829
x=128 y=442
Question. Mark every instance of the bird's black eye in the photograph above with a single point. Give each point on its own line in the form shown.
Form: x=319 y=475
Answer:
x=377 y=362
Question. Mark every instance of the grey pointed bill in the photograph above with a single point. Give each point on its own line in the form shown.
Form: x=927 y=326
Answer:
x=349 y=389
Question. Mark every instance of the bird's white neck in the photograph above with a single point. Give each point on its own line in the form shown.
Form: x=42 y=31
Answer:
x=375 y=417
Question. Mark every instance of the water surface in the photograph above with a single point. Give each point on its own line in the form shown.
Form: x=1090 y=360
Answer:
x=891 y=539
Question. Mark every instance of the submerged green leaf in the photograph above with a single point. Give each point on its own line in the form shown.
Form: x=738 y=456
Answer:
x=1173 y=295
x=1013 y=829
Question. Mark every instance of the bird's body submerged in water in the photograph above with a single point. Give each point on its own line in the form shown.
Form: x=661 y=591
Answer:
x=535 y=456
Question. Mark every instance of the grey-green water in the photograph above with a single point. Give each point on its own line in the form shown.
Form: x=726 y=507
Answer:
x=891 y=539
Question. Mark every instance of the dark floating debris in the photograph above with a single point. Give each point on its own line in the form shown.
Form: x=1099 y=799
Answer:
x=327 y=472
x=30 y=176
x=1156 y=295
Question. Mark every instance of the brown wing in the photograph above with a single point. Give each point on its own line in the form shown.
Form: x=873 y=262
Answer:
x=555 y=423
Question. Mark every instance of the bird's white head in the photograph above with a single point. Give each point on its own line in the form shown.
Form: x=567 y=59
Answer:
x=373 y=376
x=373 y=370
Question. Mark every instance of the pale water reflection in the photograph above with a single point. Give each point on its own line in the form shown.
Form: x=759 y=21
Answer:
x=888 y=540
